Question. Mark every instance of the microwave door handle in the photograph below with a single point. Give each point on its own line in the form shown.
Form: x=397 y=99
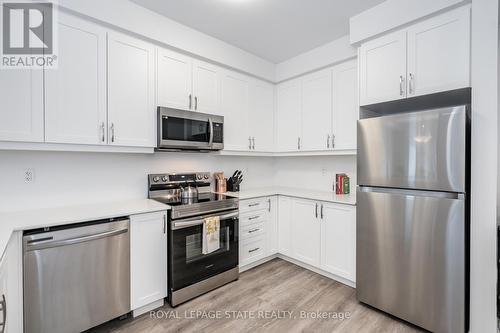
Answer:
x=211 y=125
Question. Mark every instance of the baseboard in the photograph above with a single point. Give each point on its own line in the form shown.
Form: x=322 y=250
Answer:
x=319 y=271
x=147 y=308
x=257 y=263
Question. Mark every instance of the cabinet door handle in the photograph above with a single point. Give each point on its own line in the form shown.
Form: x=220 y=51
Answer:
x=196 y=102
x=254 y=217
x=102 y=131
x=253 y=204
x=253 y=250
x=316 y=210
x=164 y=224
x=112 y=132
x=328 y=141
x=401 y=90
x=321 y=211
x=298 y=143
x=3 y=309
x=253 y=142
x=190 y=101
x=250 y=142
x=252 y=231
x=410 y=84
x=333 y=140
x=269 y=205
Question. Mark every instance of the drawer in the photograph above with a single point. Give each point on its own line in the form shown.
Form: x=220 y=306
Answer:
x=252 y=230
x=251 y=205
x=253 y=218
x=252 y=249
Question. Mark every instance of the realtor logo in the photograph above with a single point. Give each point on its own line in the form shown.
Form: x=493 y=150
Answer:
x=28 y=35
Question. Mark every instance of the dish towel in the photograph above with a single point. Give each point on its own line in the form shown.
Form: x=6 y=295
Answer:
x=211 y=232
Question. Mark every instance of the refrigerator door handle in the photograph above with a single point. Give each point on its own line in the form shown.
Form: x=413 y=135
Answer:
x=418 y=193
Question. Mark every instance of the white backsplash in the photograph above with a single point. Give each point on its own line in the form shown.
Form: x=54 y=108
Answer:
x=69 y=178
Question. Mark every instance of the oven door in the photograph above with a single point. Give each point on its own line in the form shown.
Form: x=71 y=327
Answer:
x=187 y=264
x=179 y=129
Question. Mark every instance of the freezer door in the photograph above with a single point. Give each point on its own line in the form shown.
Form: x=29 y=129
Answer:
x=417 y=150
x=411 y=256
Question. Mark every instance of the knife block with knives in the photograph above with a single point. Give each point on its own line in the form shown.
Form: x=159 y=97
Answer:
x=233 y=183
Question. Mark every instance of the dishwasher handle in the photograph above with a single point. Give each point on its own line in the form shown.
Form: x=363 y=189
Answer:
x=46 y=243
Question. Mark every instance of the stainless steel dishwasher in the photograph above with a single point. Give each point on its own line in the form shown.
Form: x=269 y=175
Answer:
x=76 y=277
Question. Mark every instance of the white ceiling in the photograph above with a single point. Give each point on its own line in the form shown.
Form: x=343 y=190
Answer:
x=275 y=30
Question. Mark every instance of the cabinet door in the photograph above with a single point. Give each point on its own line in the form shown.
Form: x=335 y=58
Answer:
x=21 y=114
x=272 y=226
x=306 y=232
x=439 y=53
x=382 y=64
x=75 y=92
x=206 y=88
x=174 y=80
x=345 y=105
x=289 y=116
x=131 y=107
x=148 y=258
x=261 y=116
x=235 y=102
x=338 y=240
x=285 y=225
x=317 y=110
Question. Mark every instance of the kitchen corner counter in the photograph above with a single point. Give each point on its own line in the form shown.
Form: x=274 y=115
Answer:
x=327 y=196
x=48 y=217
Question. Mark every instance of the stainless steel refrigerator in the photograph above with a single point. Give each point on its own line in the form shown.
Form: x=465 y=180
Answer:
x=412 y=208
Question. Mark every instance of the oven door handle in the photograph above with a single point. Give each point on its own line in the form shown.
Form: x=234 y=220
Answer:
x=191 y=223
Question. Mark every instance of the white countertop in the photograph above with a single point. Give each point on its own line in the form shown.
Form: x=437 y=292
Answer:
x=47 y=217
x=327 y=196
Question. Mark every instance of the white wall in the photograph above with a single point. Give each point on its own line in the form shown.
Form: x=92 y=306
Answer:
x=129 y=16
x=314 y=173
x=65 y=178
x=484 y=61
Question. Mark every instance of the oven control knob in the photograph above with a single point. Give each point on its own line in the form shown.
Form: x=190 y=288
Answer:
x=164 y=178
x=199 y=177
x=156 y=179
x=206 y=176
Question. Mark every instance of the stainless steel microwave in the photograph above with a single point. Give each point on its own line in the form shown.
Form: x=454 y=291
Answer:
x=187 y=130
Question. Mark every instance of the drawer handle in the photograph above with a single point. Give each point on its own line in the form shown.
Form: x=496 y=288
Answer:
x=253 y=230
x=254 y=204
x=3 y=309
x=253 y=250
x=254 y=217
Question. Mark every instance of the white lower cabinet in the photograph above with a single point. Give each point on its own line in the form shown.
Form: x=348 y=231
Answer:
x=320 y=234
x=148 y=258
x=258 y=229
x=11 y=279
x=338 y=240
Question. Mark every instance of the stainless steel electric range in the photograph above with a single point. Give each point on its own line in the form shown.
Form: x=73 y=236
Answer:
x=190 y=272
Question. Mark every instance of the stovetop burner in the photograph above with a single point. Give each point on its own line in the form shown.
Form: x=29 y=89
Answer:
x=167 y=189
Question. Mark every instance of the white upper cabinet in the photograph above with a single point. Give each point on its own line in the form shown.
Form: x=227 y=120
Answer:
x=75 y=92
x=439 y=53
x=428 y=57
x=206 y=88
x=148 y=258
x=382 y=66
x=289 y=116
x=345 y=105
x=174 y=80
x=131 y=106
x=21 y=114
x=306 y=231
x=317 y=111
x=261 y=116
x=235 y=108
x=338 y=240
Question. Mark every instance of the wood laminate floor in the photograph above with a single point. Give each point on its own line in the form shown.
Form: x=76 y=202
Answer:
x=273 y=297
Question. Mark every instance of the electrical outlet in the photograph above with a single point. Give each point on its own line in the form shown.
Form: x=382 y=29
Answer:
x=29 y=176
x=324 y=171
